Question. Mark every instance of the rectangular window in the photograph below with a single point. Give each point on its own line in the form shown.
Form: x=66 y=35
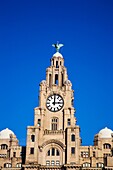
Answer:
x=31 y=150
x=72 y=150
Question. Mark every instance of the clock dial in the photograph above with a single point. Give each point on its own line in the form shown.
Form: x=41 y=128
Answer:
x=54 y=103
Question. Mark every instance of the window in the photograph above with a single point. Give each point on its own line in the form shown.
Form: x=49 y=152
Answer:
x=18 y=165
x=54 y=124
x=107 y=146
x=47 y=163
x=73 y=150
x=31 y=150
x=14 y=154
x=57 y=153
x=57 y=64
x=100 y=165
x=52 y=162
x=57 y=162
x=72 y=137
x=68 y=122
x=56 y=79
x=49 y=80
x=86 y=164
x=4 y=146
x=106 y=154
x=53 y=152
x=93 y=154
x=32 y=138
x=39 y=122
x=84 y=154
x=7 y=165
x=48 y=153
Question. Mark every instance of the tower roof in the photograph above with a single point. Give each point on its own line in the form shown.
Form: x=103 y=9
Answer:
x=57 y=54
x=105 y=133
x=5 y=134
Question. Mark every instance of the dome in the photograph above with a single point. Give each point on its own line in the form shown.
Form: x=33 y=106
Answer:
x=57 y=54
x=5 y=134
x=68 y=82
x=105 y=133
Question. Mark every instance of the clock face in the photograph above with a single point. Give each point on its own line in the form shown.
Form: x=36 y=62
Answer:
x=54 y=103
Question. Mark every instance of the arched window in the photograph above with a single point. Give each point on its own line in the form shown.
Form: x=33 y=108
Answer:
x=86 y=164
x=7 y=165
x=54 y=124
x=57 y=152
x=72 y=137
x=53 y=152
x=4 y=146
x=107 y=146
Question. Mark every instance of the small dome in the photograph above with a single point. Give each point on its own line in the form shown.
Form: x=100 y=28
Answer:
x=68 y=82
x=57 y=54
x=5 y=134
x=105 y=133
x=43 y=82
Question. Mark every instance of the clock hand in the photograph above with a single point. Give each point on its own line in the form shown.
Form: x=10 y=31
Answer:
x=54 y=100
x=58 y=102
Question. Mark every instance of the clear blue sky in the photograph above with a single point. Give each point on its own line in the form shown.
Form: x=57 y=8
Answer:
x=27 y=30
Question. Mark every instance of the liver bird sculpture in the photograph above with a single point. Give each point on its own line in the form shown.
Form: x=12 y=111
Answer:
x=57 y=46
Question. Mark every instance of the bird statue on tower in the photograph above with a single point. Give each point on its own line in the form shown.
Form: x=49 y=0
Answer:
x=57 y=46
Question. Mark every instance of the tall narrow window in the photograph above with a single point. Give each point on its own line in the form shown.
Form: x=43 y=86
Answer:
x=93 y=153
x=57 y=152
x=62 y=79
x=72 y=150
x=54 y=124
x=72 y=137
x=32 y=138
x=39 y=122
x=14 y=154
x=53 y=151
x=48 y=153
x=68 y=122
x=56 y=64
x=56 y=79
x=49 y=80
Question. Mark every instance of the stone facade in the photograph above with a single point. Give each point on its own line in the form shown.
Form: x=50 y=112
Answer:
x=54 y=141
x=10 y=151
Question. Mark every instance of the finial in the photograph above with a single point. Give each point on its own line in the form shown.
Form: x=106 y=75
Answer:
x=57 y=46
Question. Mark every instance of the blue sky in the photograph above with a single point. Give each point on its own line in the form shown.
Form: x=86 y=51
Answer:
x=27 y=30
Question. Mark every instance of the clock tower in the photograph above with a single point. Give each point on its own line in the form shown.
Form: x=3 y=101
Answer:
x=54 y=141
